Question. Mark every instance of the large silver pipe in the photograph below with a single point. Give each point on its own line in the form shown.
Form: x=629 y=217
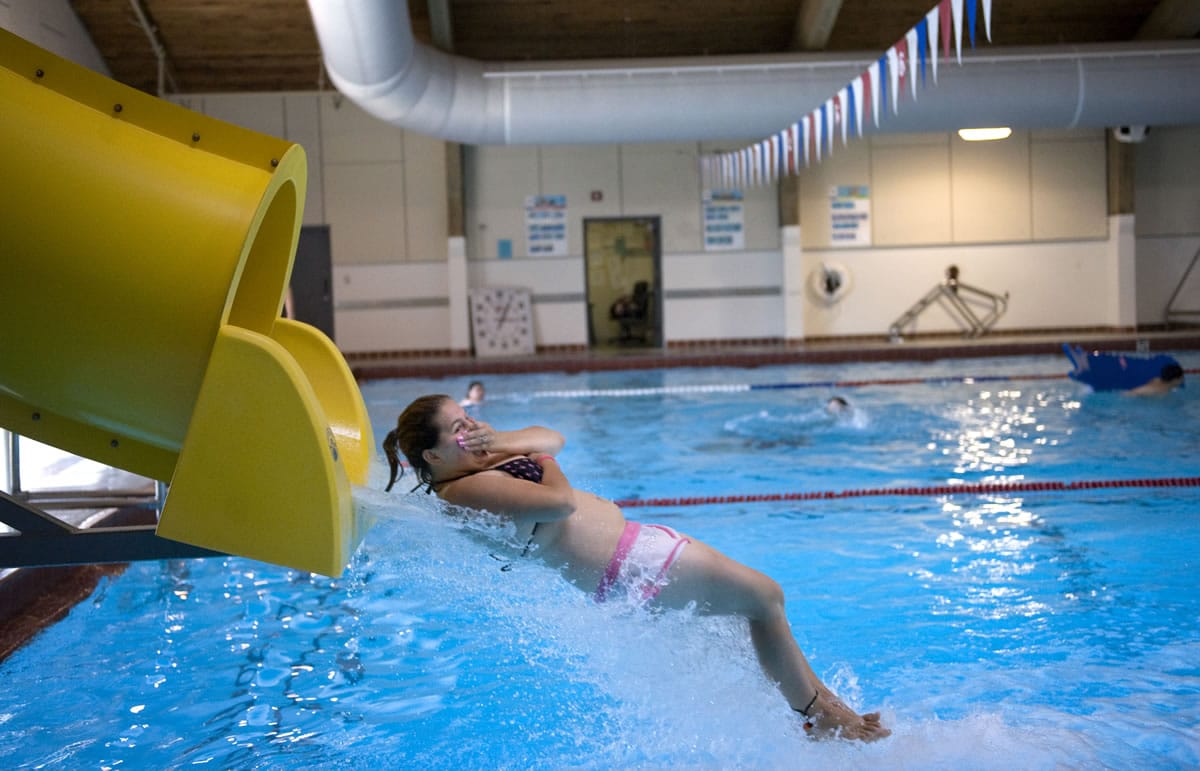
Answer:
x=374 y=60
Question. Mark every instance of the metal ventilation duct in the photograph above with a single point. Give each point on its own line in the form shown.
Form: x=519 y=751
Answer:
x=374 y=60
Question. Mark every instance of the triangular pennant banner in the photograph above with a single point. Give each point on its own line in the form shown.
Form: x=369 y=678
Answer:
x=863 y=100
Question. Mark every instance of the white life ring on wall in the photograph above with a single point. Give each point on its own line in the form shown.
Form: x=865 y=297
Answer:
x=829 y=282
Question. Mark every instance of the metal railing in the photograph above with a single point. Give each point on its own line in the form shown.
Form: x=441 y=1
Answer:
x=960 y=301
x=1172 y=314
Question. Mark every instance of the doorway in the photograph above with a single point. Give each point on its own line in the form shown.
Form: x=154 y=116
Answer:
x=312 y=279
x=624 y=276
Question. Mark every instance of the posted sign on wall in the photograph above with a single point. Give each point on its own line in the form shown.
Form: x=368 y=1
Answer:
x=850 y=215
x=724 y=220
x=546 y=225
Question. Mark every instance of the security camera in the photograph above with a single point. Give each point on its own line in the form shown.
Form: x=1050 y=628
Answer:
x=1130 y=134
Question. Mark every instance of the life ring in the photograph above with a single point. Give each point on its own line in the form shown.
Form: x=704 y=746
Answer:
x=829 y=282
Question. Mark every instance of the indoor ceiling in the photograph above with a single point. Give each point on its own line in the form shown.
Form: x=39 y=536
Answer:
x=269 y=45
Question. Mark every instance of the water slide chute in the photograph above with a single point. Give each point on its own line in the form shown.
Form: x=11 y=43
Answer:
x=145 y=252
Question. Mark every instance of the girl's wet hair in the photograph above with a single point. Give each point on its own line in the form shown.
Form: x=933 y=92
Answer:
x=416 y=431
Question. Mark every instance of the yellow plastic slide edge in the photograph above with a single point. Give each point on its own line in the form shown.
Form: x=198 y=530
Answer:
x=259 y=474
x=336 y=390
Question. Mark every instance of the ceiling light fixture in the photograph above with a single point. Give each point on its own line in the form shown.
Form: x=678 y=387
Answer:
x=985 y=134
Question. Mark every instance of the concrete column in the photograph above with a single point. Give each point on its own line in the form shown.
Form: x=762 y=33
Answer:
x=456 y=291
x=793 y=283
x=1120 y=175
x=1122 y=271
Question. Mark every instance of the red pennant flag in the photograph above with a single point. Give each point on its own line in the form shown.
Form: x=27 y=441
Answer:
x=867 y=92
x=944 y=22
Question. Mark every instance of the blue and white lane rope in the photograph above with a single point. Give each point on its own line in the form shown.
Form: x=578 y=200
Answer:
x=725 y=388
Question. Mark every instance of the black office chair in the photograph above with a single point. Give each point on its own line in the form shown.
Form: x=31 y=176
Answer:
x=632 y=313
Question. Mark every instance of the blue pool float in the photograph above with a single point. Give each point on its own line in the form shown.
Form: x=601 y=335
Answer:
x=1114 y=371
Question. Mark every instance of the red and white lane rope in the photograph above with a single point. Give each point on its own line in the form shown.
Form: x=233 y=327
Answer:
x=980 y=488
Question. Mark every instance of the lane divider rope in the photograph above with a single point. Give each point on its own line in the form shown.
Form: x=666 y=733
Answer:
x=980 y=488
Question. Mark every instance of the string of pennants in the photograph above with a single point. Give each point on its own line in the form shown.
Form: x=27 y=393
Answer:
x=864 y=99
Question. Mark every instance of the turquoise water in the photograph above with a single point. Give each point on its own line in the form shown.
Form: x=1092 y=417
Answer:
x=999 y=630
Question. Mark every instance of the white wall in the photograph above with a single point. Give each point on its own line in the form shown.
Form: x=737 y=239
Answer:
x=53 y=25
x=1050 y=284
x=1168 y=221
x=1026 y=216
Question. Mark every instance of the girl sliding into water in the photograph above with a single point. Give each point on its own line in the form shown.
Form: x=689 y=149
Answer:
x=514 y=474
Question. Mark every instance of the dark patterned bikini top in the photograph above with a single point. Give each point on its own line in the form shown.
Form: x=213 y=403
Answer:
x=522 y=468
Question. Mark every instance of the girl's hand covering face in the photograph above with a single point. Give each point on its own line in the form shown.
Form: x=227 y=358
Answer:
x=473 y=435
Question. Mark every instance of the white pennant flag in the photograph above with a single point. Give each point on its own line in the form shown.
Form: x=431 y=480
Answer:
x=807 y=137
x=856 y=93
x=914 y=59
x=894 y=65
x=933 y=22
x=843 y=108
x=830 y=124
x=818 y=132
x=956 y=13
x=794 y=166
x=987 y=18
x=874 y=73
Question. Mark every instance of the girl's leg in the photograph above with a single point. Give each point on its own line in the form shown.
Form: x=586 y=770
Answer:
x=722 y=586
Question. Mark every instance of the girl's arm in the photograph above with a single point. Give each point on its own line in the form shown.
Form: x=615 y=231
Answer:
x=552 y=499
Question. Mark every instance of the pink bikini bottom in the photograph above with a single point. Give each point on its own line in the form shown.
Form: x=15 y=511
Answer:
x=644 y=555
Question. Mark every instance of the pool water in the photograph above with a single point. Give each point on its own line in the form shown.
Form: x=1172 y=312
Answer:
x=999 y=630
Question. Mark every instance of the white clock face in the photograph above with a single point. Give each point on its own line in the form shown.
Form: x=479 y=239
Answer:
x=502 y=321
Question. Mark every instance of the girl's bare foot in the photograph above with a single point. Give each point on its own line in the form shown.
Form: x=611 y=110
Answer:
x=830 y=716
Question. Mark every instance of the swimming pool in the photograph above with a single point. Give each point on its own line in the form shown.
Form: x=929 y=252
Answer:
x=1003 y=629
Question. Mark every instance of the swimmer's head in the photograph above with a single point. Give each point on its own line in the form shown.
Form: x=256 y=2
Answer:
x=836 y=405
x=1171 y=372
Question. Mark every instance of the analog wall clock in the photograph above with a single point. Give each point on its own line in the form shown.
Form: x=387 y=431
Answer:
x=502 y=321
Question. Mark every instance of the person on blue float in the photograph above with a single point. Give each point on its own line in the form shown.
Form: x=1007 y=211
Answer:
x=513 y=474
x=1135 y=375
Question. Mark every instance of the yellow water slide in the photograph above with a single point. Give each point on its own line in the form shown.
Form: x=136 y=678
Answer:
x=145 y=252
